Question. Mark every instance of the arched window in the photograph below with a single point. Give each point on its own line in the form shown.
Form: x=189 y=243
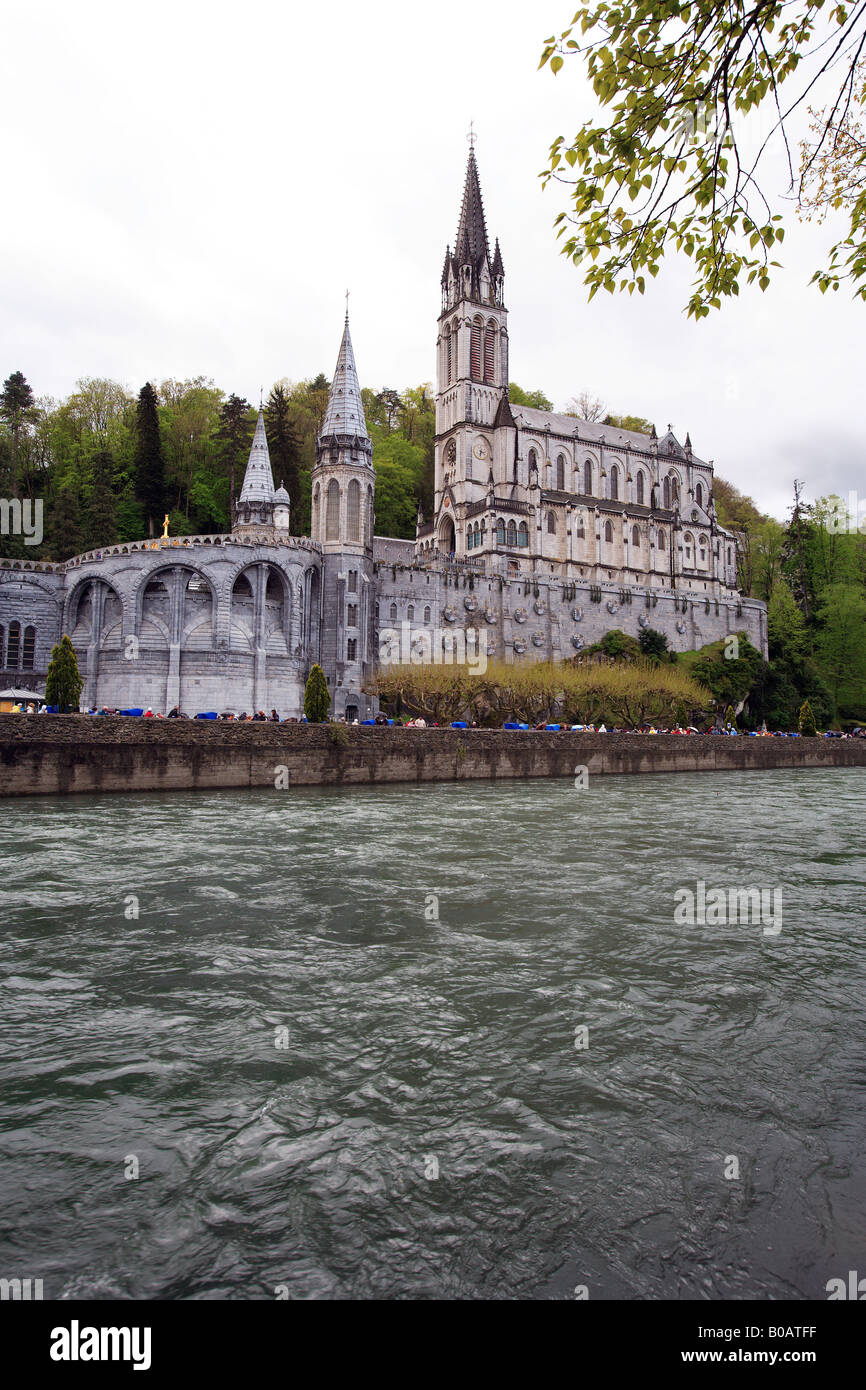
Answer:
x=635 y=536
x=614 y=483
x=560 y=472
x=13 y=646
x=500 y=532
x=427 y=614
x=587 y=477
x=608 y=531
x=551 y=524
x=315 y=527
x=666 y=494
x=689 y=541
x=661 y=540
x=699 y=495
x=370 y=515
x=475 y=350
x=729 y=554
x=410 y=613
x=353 y=511
x=332 y=515
x=449 y=368
x=523 y=534
x=393 y=612
x=639 y=487
x=512 y=533
x=533 y=460
x=490 y=352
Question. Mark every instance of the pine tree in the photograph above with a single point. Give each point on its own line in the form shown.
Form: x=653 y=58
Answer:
x=65 y=535
x=63 y=685
x=149 y=464
x=731 y=718
x=17 y=406
x=283 y=446
x=317 y=700
x=101 y=528
x=234 y=436
x=806 y=722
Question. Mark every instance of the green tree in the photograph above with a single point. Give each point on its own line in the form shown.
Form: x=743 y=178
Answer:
x=666 y=166
x=149 y=465
x=235 y=435
x=283 y=446
x=653 y=644
x=806 y=721
x=63 y=684
x=841 y=645
x=535 y=400
x=101 y=523
x=317 y=699
x=18 y=409
x=65 y=537
x=630 y=422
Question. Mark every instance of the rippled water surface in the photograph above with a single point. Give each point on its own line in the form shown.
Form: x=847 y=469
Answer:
x=411 y=1046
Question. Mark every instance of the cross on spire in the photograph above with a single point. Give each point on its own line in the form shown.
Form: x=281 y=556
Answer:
x=471 y=137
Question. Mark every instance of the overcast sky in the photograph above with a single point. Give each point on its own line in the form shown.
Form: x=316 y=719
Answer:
x=190 y=187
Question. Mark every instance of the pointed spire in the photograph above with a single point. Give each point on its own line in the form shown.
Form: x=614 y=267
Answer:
x=258 y=479
x=471 y=243
x=345 y=413
x=497 y=268
x=688 y=443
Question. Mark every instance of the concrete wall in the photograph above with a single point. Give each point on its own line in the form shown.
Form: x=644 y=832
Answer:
x=50 y=754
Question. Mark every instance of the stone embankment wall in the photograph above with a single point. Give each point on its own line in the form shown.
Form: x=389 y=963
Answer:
x=54 y=754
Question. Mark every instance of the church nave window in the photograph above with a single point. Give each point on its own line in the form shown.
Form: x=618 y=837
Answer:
x=560 y=473
x=551 y=524
x=587 y=477
x=523 y=534
x=635 y=537
x=500 y=532
x=427 y=615
x=699 y=495
x=661 y=540
x=352 y=649
x=639 y=493
x=352 y=615
x=614 y=484
x=393 y=612
x=608 y=531
x=512 y=533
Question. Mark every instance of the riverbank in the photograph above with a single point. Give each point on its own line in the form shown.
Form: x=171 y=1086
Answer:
x=48 y=755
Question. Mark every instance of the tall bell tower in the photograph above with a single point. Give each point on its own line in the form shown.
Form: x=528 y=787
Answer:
x=472 y=368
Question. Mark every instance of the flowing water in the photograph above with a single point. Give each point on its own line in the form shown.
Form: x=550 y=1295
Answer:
x=326 y=1090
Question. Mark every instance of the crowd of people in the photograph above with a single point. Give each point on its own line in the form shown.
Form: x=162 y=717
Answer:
x=729 y=730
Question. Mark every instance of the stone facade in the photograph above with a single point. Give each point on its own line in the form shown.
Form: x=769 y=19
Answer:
x=547 y=532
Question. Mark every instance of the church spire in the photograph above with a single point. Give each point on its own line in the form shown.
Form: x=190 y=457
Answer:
x=345 y=413
x=471 y=244
x=258 y=485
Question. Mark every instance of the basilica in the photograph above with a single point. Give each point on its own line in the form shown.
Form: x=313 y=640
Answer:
x=547 y=531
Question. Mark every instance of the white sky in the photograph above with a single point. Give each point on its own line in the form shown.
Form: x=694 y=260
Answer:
x=190 y=187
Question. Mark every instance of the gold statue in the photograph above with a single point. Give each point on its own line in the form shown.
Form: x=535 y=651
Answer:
x=165 y=527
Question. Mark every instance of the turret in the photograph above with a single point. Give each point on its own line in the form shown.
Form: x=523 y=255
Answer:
x=256 y=502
